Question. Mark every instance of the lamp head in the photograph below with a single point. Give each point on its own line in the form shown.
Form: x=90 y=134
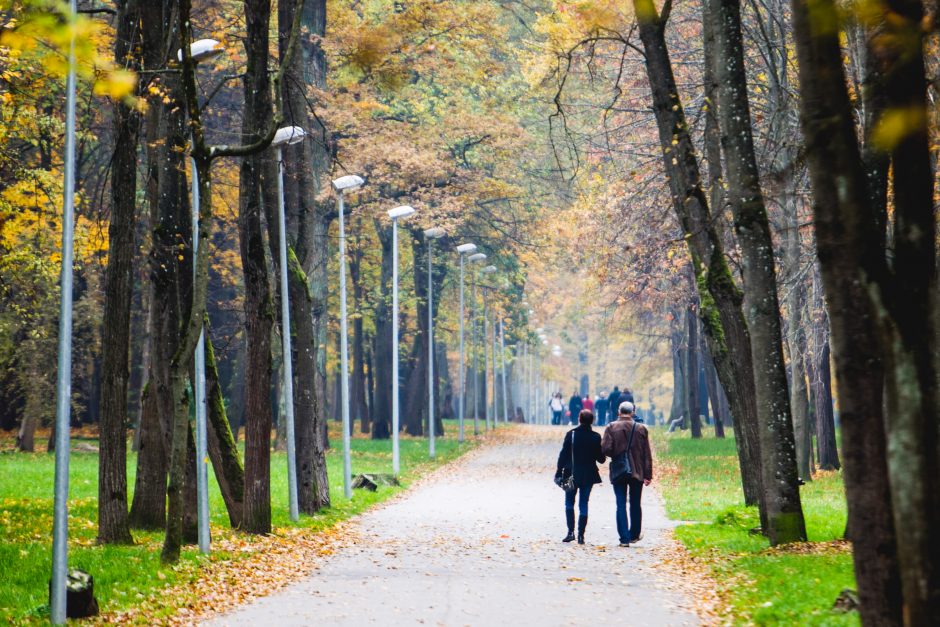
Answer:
x=202 y=50
x=288 y=135
x=477 y=257
x=402 y=211
x=348 y=183
x=466 y=248
x=434 y=232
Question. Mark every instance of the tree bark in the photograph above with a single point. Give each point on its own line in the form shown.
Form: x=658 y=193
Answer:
x=719 y=409
x=761 y=307
x=722 y=318
x=359 y=406
x=850 y=248
x=308 y=222
x=678 y=408
x=229 y=472
x=821 y=380
x=693 y=402
x=382 y=402
x=257 y=193
x=113 y=525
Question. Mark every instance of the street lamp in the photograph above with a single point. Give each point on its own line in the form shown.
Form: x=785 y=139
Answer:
x=395 y=214
x=462 y=250
x=199 y=51
x=430 y=235
x=202 y=50
x=343 y=184
x=60 y=516
x=473 y=329
x=287 y=136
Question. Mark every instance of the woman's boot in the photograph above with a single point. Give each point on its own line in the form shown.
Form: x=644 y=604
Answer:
x=582 y=523
x=569 y=518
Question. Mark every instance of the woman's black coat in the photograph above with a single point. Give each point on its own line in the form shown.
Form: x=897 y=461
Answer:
x=587 y=454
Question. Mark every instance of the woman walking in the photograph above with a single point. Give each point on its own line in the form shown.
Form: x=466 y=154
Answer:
x=558 y=408
x=580 y=454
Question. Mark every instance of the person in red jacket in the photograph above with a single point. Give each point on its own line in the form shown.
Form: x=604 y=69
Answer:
x=587 y=403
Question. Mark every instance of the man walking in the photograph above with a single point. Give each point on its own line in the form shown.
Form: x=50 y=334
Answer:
x=627 y=435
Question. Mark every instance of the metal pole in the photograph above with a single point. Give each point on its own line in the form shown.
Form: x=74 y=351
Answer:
x=524 y=383
x=502 y=354
x=344 y=351
x=495 y=375
x=286 y=347
x=395 y=453
x=199 y=389
x=431 y=452
x=473 y=338
x=460 y=365
x=60 y=516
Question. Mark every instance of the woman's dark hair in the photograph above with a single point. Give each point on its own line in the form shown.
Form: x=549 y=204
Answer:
x=586 y=417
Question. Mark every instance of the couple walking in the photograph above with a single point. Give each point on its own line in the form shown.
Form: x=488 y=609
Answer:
x=626 y=442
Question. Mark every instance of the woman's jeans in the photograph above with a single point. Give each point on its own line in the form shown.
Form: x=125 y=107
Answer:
x=634 y=486
x=584 y=493
x=556 y=417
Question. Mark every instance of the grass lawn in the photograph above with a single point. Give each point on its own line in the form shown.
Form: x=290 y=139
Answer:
x=127 y=575
x=795 y=584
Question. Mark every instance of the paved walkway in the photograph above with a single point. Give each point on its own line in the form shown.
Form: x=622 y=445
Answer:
x=479 y=544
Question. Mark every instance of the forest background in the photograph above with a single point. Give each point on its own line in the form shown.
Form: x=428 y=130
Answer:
x=562 y=139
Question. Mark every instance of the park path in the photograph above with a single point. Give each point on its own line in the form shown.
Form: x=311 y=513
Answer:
x=478 y=543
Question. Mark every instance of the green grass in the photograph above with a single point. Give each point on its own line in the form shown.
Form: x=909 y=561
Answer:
x=785 y=586
x=125 y=575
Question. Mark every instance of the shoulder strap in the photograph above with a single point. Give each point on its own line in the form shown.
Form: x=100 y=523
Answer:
x=572 y=452
x=630 y=443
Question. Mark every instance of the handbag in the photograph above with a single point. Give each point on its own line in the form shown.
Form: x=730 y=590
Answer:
x=567 y=483
x=620 y=464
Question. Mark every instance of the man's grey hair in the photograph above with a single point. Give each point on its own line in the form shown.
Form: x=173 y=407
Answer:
x=626 y=407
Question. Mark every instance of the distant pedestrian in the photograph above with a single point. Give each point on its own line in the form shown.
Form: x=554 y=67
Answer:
x=627 y=435
x=587 y=403
x=557 y=405
x=627 y=395
x=600 y=409
x=613 y=402
x=579 y=456
x=574 y=407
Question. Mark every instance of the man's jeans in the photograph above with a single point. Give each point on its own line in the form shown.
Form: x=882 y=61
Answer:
x=584 y=493
x=556 y=417
x=631 y=531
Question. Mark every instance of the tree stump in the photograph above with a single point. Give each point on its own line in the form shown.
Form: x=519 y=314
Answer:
x=80 y=599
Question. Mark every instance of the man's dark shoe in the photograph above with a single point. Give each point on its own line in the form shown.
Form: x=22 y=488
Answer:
x=582 y=523
x=569 y=537
x=624 y=544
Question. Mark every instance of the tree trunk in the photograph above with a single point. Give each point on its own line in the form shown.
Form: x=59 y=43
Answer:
x=308 y=220
x=113 y=525
x=257 y=193
x=229 y=472
x=678 y=408
x=719 y=408
x=359 y=406
x=796 y=340
x=850 y=248
x=821 y=380
x=762 y=311
x=722 y=317
x=382 y=404
x=693 y=403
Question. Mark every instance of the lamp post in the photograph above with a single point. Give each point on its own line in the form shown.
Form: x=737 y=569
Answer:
x=396 y=214
x=473 y=326
x=430 y=235
x=342 y=185
x=60 y=514
x=199 y=51
x=285 y=137
x=462 y=250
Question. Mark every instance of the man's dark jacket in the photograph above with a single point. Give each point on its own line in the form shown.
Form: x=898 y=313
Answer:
x=587 y=454
x=600 y=408
x=574 y=406
x=616 y=440
x=613 y=403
